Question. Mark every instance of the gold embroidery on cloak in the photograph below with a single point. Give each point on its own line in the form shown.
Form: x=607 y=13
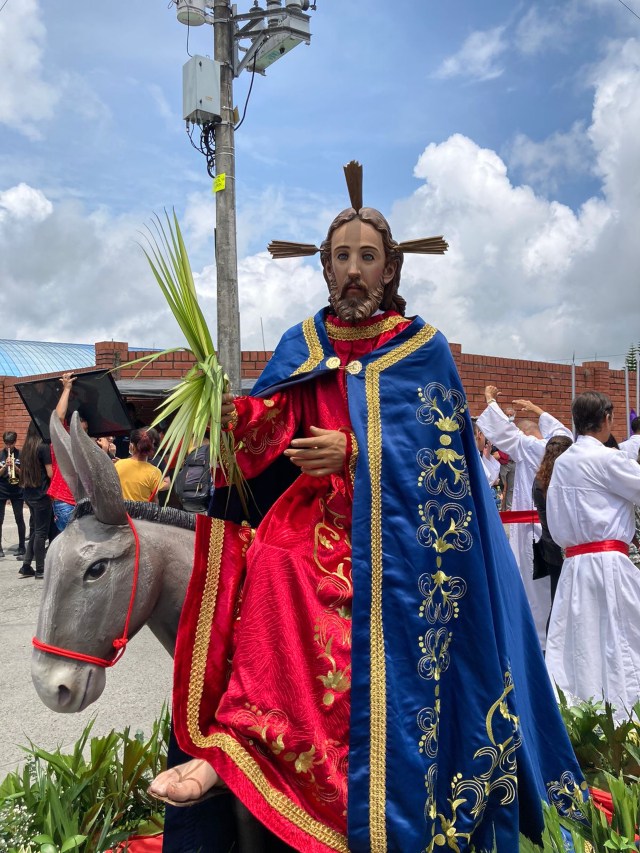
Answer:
x=378 y=721
x=362 y=333
x=473 y=793
x=272 y=728
x=314 y=346
x=444 y=529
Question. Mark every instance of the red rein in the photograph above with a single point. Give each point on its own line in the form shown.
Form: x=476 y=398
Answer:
x=120 y=643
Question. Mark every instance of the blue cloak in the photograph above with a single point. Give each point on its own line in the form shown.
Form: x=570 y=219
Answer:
x=455 y=735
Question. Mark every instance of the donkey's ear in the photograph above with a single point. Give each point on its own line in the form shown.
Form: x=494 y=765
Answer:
x=98 y=475
x=64 y=460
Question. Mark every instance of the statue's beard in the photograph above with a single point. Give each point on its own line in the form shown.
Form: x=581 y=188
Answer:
x=354 y=307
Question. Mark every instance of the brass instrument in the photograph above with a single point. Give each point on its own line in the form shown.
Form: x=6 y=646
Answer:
x=12 y=472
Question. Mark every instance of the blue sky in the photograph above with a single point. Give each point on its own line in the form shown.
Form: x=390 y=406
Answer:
x=510 y=128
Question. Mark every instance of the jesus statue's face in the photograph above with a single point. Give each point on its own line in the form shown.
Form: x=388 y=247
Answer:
x=358 y=271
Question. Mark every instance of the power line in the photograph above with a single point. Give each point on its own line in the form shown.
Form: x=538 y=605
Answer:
x=3 y=5
x=246 y=103
x=619 y=1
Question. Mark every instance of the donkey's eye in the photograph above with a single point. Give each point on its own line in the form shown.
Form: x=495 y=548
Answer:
x=95 y=570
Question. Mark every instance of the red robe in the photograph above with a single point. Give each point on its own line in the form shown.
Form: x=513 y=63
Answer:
x=279 y=732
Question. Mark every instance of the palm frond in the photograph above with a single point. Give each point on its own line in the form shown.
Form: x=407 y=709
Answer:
x=194 y=405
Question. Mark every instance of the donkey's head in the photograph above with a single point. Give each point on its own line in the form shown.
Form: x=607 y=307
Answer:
x=88 y=579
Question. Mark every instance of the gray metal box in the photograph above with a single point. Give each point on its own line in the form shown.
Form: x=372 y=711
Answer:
x=201 y=90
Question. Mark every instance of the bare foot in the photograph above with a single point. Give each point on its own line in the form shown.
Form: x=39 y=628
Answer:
x=185 y=782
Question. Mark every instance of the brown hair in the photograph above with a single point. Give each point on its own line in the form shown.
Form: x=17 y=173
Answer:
x=142 y=441
x=556 y=446
x=391 y=299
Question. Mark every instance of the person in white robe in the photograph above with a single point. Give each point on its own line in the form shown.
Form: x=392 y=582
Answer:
x=490 y=465
x=631 y=447
x=593 y=647
x=525 y=443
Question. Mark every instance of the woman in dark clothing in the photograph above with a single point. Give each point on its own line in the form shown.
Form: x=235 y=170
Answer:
x=548 y=557
x=36 y=475
x=10 y=489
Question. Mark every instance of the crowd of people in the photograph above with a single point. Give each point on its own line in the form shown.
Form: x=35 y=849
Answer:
x=30 y=475
x=584 y=539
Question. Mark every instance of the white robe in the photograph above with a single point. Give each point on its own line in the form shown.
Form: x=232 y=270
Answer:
x=631 y=447
x=527 y=452
x=491 y=468
x=593 y=648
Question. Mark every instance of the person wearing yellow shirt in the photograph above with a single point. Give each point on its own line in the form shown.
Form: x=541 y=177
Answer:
x=140 y=480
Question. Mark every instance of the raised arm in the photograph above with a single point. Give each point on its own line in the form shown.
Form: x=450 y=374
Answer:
x=499 y=429
x=67 y=380
x=548 y=425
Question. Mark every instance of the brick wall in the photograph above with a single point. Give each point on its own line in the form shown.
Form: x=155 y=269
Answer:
x=546 y=384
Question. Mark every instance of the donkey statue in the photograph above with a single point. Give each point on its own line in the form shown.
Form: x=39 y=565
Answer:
x=102 y=567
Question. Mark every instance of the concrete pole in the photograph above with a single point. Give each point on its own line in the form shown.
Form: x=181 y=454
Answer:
x=226 y=250
x=626 y=399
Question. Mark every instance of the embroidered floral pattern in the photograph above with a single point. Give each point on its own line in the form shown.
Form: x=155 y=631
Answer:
x=444 y=469
x=442 y=594
x=444 y=527
x=435 y=653
x=472 y=795
x=568 y=796
x=273 y=733
x=269 y=431
x=334 y=622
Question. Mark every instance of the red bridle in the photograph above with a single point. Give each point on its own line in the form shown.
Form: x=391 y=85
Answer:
x=120 y=643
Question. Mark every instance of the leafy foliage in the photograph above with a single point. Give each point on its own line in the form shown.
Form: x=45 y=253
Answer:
x=86 y=800
x=603 y=746
x=94 y=797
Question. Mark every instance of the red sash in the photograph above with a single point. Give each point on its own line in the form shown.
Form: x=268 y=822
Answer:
x=521 y=516
x=597 y=548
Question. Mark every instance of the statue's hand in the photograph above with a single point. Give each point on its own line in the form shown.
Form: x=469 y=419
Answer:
x=227 y=410
x=322 y=454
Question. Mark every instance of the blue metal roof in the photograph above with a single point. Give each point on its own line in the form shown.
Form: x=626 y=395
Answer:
x=29 y=358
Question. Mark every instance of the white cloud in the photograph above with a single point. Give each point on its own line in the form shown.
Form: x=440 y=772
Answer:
x=525 y=275
x=275 y=294
x=478 y=57
x=79 y=276
x=548 y=27
x=616 y=119
x=544 y=164
x=26 y=97
x=24 y=202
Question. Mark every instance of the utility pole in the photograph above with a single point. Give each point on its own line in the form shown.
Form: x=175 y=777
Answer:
x=226 y=248
x=271 y=34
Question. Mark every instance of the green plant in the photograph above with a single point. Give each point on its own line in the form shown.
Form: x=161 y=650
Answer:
x=602 y=744
x=86 y=800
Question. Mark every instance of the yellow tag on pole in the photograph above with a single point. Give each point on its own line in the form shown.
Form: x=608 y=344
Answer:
x=219 y=182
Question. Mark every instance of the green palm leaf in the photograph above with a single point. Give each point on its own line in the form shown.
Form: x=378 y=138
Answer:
x=194 y=405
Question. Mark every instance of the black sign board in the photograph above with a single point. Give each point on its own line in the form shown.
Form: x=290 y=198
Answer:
x=94 y=395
